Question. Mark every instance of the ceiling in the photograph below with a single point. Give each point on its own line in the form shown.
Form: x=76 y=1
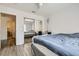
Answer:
x=46 y=9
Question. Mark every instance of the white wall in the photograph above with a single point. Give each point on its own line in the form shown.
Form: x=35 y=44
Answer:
x=20 y=21
x=45 y=25
x=65 y=21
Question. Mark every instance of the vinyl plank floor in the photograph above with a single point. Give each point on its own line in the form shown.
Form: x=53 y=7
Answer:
x=21 y=50
x=27 y=40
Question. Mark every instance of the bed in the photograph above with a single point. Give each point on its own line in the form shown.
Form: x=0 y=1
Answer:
x=57 y=44
x=29 y=34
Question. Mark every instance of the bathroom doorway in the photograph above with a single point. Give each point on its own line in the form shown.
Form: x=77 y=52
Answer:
x=8 y=23
x=11 y=30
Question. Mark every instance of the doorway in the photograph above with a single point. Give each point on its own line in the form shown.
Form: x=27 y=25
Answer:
x=8 y=30
x=29 y=29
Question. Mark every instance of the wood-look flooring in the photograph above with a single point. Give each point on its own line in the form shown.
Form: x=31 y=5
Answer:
x=21 y=50
x=27 y=40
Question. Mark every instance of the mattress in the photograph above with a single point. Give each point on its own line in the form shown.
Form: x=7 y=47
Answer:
x=40 y=50
x=60 y=44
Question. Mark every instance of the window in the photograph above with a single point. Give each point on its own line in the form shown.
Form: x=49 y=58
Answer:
x=29 y=25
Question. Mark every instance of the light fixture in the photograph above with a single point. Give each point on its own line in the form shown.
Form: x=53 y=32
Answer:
x=40 y=4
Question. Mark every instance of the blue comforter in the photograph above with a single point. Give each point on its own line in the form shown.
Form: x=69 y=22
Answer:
x=60 y=43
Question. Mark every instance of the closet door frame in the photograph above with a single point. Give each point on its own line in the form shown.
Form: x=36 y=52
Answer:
x=7 y=14
x=0 y=30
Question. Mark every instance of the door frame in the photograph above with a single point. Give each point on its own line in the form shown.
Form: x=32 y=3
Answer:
x=7 y=14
